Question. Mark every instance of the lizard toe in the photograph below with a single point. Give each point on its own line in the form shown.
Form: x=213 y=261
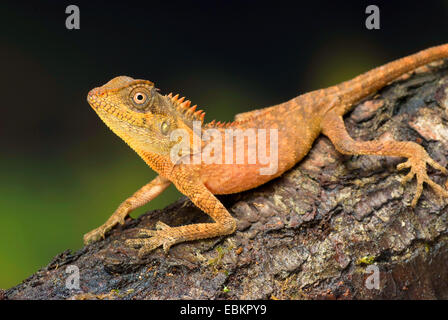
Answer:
x=157 y=239
x=408 y=177
x=94 y=236
x=135 y=243
x=145 y=233
x=404 y=165
x=161 y=225
x=418 y=169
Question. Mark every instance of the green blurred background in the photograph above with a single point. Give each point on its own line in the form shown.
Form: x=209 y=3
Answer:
x=62 y=172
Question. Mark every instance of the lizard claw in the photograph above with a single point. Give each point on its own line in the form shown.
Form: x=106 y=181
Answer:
x=99 y=233
x=146 y=233
x=417 y=167
x=157 y=238
x=161 y=225
x=94 y=235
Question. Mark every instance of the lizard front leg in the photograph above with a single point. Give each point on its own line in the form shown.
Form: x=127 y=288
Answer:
x=138 y=199
x=166 y=236
x=334 y=128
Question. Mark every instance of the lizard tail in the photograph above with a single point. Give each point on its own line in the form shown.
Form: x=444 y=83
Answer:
x=353 y=90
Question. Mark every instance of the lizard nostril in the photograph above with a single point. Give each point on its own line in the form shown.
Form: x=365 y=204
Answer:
x=92 y=92
x=95 y=93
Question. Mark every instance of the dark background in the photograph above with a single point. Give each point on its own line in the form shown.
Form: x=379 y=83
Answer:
x=62 y=172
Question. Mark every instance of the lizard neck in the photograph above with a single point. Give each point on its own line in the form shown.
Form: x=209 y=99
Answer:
x=158 y=163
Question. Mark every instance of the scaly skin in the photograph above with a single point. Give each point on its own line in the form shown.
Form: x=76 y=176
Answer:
x=145 y=119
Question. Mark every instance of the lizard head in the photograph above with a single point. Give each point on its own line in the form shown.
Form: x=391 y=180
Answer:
x=140 y=115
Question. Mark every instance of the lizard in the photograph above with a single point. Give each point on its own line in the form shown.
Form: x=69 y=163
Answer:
x=145 y=119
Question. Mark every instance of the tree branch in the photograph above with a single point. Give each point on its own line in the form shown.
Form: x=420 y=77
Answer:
x=313 y=233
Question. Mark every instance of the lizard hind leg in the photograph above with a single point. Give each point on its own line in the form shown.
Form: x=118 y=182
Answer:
x=334 y=128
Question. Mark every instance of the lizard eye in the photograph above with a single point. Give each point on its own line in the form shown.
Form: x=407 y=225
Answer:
x=164 y=128
x=139 y=98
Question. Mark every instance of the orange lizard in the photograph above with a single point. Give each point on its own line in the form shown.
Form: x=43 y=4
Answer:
x=145 y=120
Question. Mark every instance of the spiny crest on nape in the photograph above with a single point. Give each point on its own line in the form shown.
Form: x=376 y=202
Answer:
x=185 y=108
x=219 y=124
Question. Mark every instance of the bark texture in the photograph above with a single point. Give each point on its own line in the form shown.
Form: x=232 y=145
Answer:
x=318 y=232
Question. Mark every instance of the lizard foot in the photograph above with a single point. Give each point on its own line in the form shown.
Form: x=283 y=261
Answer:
x=417 y=165
x=156 y=238
x=99 y=232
